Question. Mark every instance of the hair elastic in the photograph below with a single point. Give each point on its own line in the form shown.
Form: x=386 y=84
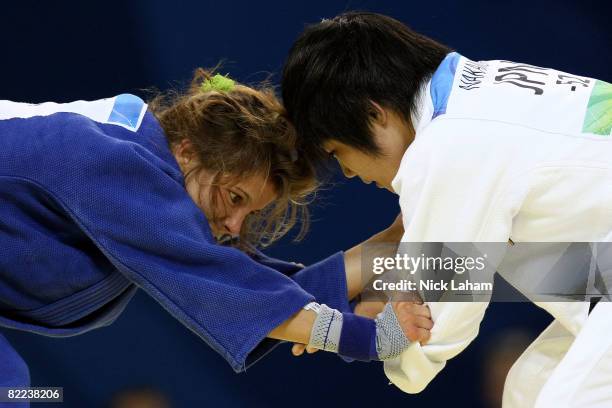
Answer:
x=219 y=83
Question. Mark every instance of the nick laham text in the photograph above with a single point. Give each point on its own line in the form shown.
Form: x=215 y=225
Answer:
x=423 y=285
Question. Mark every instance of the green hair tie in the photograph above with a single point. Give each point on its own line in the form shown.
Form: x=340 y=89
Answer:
x=219 y=83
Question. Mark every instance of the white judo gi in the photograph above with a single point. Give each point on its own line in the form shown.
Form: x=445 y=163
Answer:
x=508 y=150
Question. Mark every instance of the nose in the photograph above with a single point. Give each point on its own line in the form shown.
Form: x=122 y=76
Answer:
x=347 y=173
x=233 y=223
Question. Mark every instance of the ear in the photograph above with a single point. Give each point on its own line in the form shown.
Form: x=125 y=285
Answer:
x=184 y=152
x=378 y=114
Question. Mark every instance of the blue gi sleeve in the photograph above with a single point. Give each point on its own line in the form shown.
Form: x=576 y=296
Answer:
x=325 y=280
x=14 y=372
x=138 y=213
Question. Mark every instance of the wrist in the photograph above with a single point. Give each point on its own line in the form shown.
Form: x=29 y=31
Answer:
x=390 y=337
x=358 y=337
x=344 y=333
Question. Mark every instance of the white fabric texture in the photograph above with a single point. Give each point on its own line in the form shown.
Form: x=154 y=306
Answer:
x=504 y=163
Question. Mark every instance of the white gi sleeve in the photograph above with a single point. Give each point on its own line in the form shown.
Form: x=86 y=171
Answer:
x=452 y=187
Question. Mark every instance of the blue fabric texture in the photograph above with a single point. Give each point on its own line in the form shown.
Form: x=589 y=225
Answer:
x=13 y=372
x=358 y=338
x=93 y=205
x=326 y=280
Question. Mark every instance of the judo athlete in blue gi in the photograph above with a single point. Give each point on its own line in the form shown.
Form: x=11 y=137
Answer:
x=100 y=198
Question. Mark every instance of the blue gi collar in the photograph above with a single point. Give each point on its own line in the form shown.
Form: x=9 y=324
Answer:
x=442 y=83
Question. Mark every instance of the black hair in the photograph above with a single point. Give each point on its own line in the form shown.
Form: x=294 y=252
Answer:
x=337 y=67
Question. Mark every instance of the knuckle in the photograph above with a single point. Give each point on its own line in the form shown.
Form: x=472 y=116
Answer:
x=407 y=321
x=412 y=333
x=426 y=323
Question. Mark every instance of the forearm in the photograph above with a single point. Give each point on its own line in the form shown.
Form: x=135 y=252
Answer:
x=357 y=277
x=347 y=334
x=296 y=329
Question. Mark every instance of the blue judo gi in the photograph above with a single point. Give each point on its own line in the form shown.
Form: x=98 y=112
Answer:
x=93 y=206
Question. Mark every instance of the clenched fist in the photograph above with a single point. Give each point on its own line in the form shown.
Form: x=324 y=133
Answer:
x=415 y=320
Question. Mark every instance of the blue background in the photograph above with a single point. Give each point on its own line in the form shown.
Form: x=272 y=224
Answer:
x=67 y=51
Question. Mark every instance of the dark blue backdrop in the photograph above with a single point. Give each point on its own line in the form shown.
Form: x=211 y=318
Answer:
x=87 y=50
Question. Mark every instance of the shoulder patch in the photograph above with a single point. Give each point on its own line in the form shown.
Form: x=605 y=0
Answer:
x=127 y=111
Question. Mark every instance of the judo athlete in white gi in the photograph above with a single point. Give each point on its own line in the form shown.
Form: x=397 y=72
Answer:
x=478 y=152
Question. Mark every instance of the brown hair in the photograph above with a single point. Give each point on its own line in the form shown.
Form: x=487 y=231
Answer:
x=241 y=133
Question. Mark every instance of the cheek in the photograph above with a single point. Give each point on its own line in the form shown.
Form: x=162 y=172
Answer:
x=361 y=164
x=393 y=146
x=213 y=203
x=201 y=195
x=193 y=189
x=349 y=161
